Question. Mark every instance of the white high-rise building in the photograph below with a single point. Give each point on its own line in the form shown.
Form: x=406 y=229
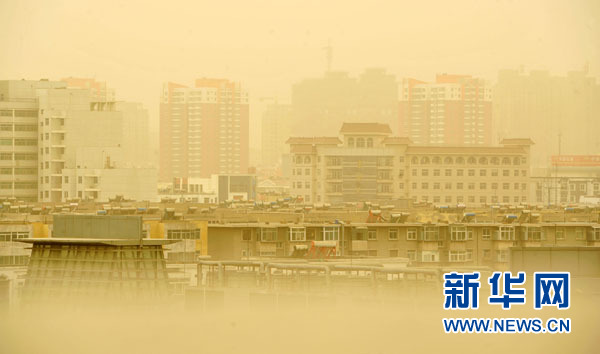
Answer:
x=19 y=137
x=92 y=150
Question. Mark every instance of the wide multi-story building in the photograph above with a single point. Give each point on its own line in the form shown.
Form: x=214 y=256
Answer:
x=453 y=110
x=204 y=129
x=327 y=102
x=19 y=137
x=459 y=243
x=368 y=164
x=560 y=113
x=276 y=128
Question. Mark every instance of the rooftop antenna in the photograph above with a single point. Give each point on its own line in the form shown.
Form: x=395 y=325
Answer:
x=329 y=54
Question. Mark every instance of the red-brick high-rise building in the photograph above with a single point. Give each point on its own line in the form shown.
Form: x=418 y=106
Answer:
x=203 y=129
x=454 y=110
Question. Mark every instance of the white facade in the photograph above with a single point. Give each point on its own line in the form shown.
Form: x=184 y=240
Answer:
x=92 y=142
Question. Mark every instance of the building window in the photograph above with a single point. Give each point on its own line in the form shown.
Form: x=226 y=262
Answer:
x=486 y=233
x=579 y=234
x=246 y=235
x=430 y=256
x=424 y=172
x=458 y=233
x=533 y=234
x=268 y=234
x=459 y=186
x=506 y=233
x=482 y=173
x=457 y=256
x=393 y=234
x=436 y=173
x=297 y=234
x=369 y=142
x=459 y=173
x=411 y=234
x=183 y=234
x=360 y=142
x=486 y=254
x=431 y=233
x=596 y=234
x=560 y=234
x=331 y=233
x=350 y=142
x=411 y=255
x=502 y=255
x=372 y=235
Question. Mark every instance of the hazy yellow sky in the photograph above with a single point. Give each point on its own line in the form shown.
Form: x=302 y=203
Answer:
x=268 y=45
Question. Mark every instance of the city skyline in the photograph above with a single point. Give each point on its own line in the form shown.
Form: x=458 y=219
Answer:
x=137 y=61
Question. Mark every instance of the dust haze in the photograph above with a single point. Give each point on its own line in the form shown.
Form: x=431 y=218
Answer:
x=293 y=176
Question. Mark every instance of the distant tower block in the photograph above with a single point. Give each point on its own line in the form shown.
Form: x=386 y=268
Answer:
x=96 y=258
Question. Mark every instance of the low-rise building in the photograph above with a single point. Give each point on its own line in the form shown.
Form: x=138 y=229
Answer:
x=424 y=244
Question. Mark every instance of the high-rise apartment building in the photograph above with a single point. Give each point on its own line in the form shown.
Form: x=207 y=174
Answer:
x=59 y=143
x=88 y=147
x=19 y=137
x=276 y=128
x=204 y=129
x=455 y=109
x=560 y=113
x=326 y=103
x=367 y=163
